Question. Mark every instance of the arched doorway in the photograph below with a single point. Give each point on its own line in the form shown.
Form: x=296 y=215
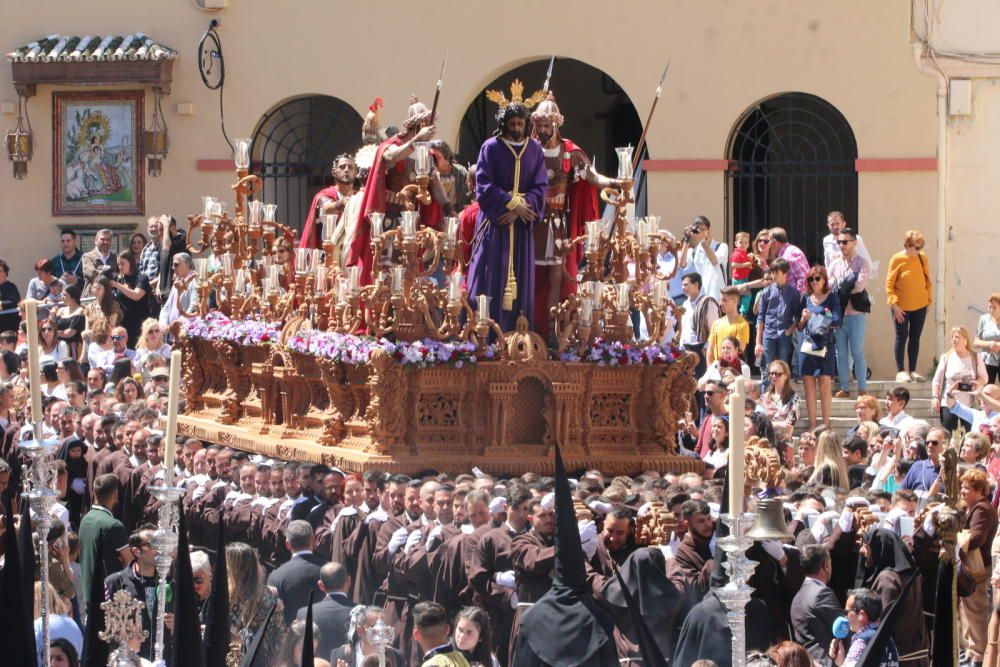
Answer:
x=793 y=161
x=599 y=114
x=293 y=146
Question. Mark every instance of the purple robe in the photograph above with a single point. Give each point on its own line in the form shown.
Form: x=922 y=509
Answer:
x=488 y=267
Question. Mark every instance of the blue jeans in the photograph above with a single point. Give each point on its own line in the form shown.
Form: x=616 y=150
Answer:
x=851 y=347
x=774 y=349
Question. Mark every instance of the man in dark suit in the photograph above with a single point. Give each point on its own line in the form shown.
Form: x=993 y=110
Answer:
x=815 y=606
x=300 y=574
x=332 y=614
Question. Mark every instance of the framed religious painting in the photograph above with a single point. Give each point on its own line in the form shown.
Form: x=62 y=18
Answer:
x=96 y=153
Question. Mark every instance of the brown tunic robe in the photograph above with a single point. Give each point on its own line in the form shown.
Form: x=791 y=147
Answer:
x=533 y=558
x=492 y=555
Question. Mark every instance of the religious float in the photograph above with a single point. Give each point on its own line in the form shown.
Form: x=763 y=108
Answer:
x=302 y=361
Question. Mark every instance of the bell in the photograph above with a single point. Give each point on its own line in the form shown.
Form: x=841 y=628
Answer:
x=770 y=524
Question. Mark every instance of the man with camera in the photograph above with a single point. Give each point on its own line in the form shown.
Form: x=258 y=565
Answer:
x=706 y=256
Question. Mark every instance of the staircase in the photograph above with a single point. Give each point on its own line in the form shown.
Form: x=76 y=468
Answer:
x=842 y=416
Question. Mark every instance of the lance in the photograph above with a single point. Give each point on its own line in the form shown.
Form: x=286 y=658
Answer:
x=548 y=74
x=437 y=93
x=645 y=128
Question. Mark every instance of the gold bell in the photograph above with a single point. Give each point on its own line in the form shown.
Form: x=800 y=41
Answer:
x=770 y=524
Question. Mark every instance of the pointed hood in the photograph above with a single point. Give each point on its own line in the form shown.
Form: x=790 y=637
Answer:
x=17 y=636
x=945 y=639
x=566 y=627
x=307 y=634
x=872 y=657
x=719 y=576
x=187 y=645
x=652 y=560
x=218 y=633
x=26 y=554
x=95 y=650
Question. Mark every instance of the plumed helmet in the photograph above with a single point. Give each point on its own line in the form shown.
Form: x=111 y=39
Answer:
x=548 y=110
x=418 y=114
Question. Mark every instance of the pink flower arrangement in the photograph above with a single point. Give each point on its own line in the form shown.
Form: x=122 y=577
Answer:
x=216 y=326
x=605 y=353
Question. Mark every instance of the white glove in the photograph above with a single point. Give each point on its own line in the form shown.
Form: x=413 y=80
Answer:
x=498 y=505
x=468 y=529
x=505 y=579
x=350 y=510
x=846 y=520
x=891 y=520
x=600 y=507
x=644 y=510
x=856 y=501
x=774 y=549
x=434 y=534
x=79 y=486
x=667 y=551
x=412 y=540
x=929 y=526
x=548 y=501
x=588 y=538
x=805 y=513
x=513 y=600
x=398 y=540
x=478 y=473
x=377 y=515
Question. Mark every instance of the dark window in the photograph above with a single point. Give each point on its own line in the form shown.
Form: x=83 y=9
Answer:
x=793 y=161
x=293 y=147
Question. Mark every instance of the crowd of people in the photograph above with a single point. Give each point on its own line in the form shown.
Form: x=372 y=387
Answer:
x=459 y=565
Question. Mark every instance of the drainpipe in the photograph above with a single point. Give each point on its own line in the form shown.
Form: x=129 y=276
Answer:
x=927 y=67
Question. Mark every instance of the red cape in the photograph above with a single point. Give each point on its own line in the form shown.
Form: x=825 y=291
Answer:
x=467 y=230
x=309 y=239
x=360 y=253
x=582 y=207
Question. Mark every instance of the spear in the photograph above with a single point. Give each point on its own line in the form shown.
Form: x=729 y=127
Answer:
x=548 y=74
x=437 y=93
x=645 y=128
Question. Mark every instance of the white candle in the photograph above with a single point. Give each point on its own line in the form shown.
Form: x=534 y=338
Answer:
x=376 y=219
x=454 y=288
x=397 y=279
x=173 y=400
x=201 y=265
x=597 y=294
x=622 y=293
x=586 y=311
x=329 y=225
x=301 y=260
x=737 y=463
x=409 y=225
x=422 y=158
x=207 y=206
x=451 y=230
x=354 y=279
x=321 y=279
x=227 y=264
x=341 y=292
x=642 y=231
x=241 y=282
x=256 y=211
x=34 y=369
x=593 y=233
x=483 y=310
x=659 y=291
x=269 y=212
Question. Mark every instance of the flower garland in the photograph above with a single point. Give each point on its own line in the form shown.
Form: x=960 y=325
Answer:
x=216 y=326
x=605 y=353
x=352 y=349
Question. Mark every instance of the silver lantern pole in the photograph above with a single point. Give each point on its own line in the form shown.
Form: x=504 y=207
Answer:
x=736 y=593
x=165 y=542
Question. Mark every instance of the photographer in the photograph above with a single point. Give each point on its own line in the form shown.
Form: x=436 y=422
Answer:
x=962 y=367
x=706 y=256
x=131 y=290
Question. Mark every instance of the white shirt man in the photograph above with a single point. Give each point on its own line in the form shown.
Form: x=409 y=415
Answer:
x=706 y=256
x=836 y=222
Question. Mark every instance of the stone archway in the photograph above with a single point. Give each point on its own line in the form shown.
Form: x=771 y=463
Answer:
x=293 y=146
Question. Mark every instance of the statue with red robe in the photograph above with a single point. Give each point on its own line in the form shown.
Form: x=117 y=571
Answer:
x=392 y=171
x=330 y=200
x=570 y=202
x=510 y=187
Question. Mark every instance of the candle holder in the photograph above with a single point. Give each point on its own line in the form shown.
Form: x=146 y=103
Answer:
x=122 y=623
x=165 y=542
x=380 y=636
x=736 y=593
x=40 y=490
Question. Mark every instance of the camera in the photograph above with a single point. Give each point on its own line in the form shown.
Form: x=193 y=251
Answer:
x=889 y=433
x=965 y=386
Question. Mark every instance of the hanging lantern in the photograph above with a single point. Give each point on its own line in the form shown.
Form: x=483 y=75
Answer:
x=20 y=142
x=155 y=139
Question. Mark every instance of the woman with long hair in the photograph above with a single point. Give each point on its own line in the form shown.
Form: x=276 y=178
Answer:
x=472 y=637
x=830 y=469
x=731 y=361
x=151 y=341
x=51 y=349
x=818 y=355
x=790 y=654
x=959 y=365
x=250 y=602
x=908 y=288
x=136 y=244
x=100 y=351
x=988 y=337
x=131 y=290
x=69 y=371
x=128 y=391
x=70 y=319
x=61 y=623
x=104 y=306
x=718 y=455
x=780 y=403
x=62 y=653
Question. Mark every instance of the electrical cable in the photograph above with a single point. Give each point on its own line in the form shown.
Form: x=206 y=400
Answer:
x=212 y=68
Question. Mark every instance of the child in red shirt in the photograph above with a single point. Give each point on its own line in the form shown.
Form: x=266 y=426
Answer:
x=741 y=266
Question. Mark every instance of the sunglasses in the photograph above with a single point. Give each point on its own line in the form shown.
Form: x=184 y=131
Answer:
x=816 y=279
x=711 y=392
x=775 y=374
x=199 y=580
x=118 y=338
x=844 y=242
x=935 y=443
x=43 y=329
